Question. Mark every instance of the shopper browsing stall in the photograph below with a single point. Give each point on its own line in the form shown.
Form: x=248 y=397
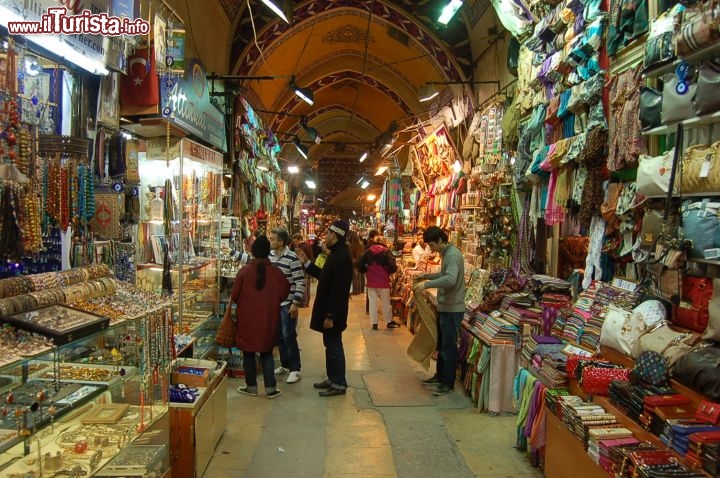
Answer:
x=450 y=283
x=378 y=262
x=258 y=291
x=286 y=260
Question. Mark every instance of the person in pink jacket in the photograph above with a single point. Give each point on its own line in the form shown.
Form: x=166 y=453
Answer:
x=378 y=263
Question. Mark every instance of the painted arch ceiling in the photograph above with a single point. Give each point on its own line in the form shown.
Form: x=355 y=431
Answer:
x=364 y=60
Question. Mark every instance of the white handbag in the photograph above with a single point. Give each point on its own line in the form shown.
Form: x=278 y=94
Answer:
x=622 y=329
x=653 y=174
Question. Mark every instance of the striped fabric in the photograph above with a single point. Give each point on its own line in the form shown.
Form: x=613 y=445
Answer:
x=290 y=265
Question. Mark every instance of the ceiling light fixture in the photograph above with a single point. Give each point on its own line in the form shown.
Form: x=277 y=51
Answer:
x=427 y=92
x=365 y=184
x=362 y=178
x=364 y=156
x=304 y=93
x=310 y=183
x=310 y=131
x=301 y=149
x=371 y=197
x=271 y=5
x=293 y=169
x=449 y=11
x=381 y=170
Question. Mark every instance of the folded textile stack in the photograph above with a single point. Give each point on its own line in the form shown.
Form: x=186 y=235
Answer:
x=604 y=447
x=598 y=434
x=532 y=341
x=540 y=284
x=497 y=328
x=677 y=433
x=590 y=337
x=520 y=299
x=552 y=398
x=519 y=316
x=563 y=404
x=574 y=413
x=553 y=373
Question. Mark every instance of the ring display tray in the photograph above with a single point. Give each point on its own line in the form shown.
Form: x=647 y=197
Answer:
x=61 y=323
x=136 y=461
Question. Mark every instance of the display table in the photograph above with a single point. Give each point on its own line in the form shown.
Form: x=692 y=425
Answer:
x=196 y=428
x=565 y=456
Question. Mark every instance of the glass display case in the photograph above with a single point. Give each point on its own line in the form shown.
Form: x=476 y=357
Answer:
x=179 y=233
x=69 y=409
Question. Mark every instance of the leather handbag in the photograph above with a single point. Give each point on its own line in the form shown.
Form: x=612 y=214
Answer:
x=700 y=169
x=712 y=332
x=666 y=341
x=650 y=107
x=659 y=50
x=709 y=412
x=698 y=369
x=654 y=226
x=653 y=174
x=651 y=369
x=621 y=329
x=696 y=28
x=707 y=99
x=701 y=226
x=676 y=106
x=225 y=336
x=692 y=312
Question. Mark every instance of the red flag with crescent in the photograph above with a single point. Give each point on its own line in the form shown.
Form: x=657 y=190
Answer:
x=140 y=87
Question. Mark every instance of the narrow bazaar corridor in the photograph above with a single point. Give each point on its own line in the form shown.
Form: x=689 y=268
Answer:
x=303 y=435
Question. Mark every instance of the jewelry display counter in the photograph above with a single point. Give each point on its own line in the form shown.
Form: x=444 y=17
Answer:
x=68 y=408
x=180 y=232
x=196 y=428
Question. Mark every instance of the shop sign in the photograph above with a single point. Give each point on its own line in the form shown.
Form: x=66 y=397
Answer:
x=186 y=102
x=156 y=150
x=111 y=51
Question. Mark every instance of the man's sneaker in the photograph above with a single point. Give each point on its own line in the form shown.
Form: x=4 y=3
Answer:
x=434 y=380
x=246 y=391
x=282 y=371
x=274 y=394
x=374 y=327
x=392 y=325
x=294 y=377
x=442 y=389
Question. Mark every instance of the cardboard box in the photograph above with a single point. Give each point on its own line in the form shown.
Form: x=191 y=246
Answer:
x=191 y=376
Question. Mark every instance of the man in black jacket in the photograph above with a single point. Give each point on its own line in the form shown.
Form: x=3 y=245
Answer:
x=330 y=310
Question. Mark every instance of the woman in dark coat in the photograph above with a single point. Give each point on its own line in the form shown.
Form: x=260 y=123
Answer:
x=258 y=290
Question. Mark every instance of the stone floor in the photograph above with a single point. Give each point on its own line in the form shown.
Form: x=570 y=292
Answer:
x=303 y=435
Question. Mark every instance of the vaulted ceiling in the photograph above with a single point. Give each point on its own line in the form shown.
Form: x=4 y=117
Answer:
x=364 y=60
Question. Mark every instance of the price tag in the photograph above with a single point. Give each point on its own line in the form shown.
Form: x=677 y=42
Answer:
x=705 y=168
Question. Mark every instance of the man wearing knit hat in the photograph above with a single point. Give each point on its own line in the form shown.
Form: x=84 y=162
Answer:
x=330 y=310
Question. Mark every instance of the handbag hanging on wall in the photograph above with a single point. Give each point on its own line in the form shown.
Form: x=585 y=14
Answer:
x=692 y=312
x=707 y=99
x=665 y=266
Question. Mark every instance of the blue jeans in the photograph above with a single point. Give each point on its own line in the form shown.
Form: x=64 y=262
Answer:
x=448 y=325
x=268 y=366
x=288 y=344
x=335 y=359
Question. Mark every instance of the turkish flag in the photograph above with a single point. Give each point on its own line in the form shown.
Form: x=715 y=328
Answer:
x=140 y=87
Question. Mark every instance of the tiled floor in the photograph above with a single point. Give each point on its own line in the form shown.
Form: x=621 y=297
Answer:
x=303 y=435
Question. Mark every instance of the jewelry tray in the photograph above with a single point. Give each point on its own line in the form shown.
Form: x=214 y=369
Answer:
x=81 y=323
x=107 y=374
x=135 y=460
